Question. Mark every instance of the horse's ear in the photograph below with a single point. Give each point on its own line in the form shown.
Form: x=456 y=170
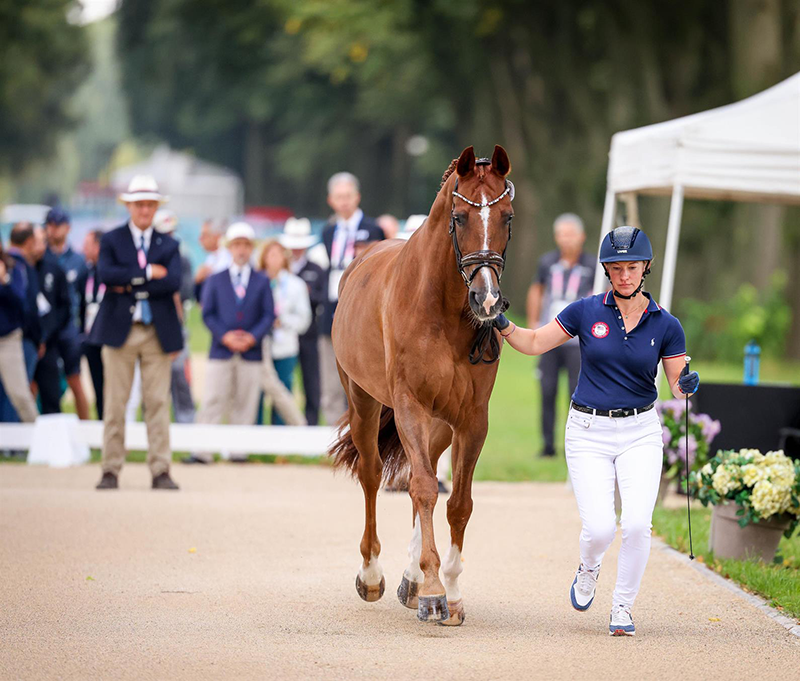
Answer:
x=500 y=163
x=466 y=162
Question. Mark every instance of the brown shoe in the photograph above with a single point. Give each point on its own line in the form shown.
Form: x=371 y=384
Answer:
x=163 y=481
x=108 y=481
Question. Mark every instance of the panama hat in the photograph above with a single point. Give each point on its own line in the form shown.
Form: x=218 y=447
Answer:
x=297 y=234
x=143 y=188
x=240 y=230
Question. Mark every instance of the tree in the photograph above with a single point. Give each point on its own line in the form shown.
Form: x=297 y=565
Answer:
x=43 y=58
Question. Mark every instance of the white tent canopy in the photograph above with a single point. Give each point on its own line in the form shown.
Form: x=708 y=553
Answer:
x=747 y=151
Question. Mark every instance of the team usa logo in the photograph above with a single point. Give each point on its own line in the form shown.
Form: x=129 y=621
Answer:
x=600 y=329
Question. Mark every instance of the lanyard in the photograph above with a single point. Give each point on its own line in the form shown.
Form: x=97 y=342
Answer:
x=570 y=291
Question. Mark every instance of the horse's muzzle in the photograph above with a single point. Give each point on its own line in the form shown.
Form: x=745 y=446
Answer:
x=486 y=304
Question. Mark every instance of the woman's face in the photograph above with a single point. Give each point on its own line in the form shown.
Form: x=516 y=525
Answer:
x=626 y=276
x=273 y=259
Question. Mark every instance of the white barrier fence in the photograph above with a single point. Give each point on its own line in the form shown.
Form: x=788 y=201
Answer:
x=63 y=440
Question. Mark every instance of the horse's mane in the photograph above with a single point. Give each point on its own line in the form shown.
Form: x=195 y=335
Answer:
x=447 y=173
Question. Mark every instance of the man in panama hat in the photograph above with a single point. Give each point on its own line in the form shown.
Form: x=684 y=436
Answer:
x=297 y=238
x=138 y=320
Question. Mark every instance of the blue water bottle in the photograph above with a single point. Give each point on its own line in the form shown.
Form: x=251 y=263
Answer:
x=752 y=360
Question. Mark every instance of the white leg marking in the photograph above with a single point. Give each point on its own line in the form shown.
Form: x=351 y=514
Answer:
x=413 y=572
x=451 y=569
x=372 y=573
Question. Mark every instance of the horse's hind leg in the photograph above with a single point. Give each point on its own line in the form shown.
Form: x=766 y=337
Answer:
x=438 y=440
x=365 y=413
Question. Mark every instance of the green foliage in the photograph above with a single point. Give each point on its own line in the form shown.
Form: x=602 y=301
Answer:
x=719 y=330
x=43 y=58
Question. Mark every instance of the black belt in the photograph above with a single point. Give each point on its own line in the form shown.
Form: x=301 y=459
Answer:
x=613 y=413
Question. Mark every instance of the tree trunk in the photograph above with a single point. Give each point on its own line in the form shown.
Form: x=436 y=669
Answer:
x=254 y=165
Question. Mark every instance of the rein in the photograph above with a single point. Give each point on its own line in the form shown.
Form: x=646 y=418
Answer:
x=485 y=338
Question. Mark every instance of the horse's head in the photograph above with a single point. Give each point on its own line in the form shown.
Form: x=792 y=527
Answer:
x=480 y=224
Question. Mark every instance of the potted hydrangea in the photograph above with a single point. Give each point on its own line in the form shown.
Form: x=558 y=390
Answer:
x=756 y=499
x=702 y=431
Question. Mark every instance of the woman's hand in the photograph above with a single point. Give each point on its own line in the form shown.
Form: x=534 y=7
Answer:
x=530 y=341
x=681 y=382
x=689 y=381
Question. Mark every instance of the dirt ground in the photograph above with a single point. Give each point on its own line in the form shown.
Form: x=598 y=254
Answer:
x=248 y=572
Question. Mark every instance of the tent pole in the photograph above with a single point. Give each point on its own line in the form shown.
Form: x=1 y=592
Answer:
x=671 y=251
x=609 y=212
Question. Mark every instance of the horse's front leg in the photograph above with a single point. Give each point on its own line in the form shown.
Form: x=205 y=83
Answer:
x=413 y=425
x=467 y=444
x=440 y=436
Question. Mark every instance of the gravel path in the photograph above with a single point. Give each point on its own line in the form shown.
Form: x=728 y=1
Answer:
x=104 y=585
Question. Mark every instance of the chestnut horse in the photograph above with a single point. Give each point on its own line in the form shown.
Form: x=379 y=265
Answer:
x=416 y=379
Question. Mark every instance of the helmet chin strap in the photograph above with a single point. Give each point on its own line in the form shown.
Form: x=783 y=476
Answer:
x=617 y=294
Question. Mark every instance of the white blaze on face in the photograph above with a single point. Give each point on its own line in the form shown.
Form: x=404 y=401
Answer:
x=372 y=573
x=451 y=569
x=413 y=572
x=485 y=272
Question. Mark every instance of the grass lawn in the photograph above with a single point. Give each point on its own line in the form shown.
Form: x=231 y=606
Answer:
x=779 y=582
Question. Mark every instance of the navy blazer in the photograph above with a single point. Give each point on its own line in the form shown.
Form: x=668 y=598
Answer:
x=373 y=233
x=118 y=266
x=222 y=312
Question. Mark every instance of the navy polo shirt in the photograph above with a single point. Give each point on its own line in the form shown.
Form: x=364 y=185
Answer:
x=618 y=368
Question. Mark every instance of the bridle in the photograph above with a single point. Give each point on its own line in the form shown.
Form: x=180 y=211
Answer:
x=492 y=259
x=485 y=341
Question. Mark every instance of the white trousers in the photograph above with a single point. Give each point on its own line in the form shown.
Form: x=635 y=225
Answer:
x=600 y=449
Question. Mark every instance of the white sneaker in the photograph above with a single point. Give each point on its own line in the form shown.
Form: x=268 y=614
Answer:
x=581 y=593
x=621 y=621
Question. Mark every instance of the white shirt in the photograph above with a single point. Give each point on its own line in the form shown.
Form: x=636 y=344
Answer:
x=343 y=246
x=292 y=307
x=297 y=265
x=244 y=271
x=137 y=234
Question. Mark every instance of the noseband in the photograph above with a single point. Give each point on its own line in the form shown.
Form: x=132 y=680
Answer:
x=492 y=259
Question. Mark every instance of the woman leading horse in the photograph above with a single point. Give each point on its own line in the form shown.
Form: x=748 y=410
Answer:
x=411 y=335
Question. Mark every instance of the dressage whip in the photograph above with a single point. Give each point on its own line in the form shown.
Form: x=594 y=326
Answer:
x=688 y=491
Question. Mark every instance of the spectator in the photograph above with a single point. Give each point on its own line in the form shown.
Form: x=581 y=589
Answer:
x=20 y=249
x=93 y=294
x=12 y=319
x=137 y=320
x=297 y=238
x=182 y=403
x=348 y=225
x=55 y=312
x=389 y=225
x=239 y=312
x=57 y=226
x=564 y=275
x=218 y=258
x=293 y=313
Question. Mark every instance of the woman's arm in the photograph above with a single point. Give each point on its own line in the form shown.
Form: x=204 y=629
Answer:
x=535 y=341
x=672 y=368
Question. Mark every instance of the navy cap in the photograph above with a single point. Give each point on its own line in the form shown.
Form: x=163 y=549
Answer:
x=57 y=216
x=625 y=244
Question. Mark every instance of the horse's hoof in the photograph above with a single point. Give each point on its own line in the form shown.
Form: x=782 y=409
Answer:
x=456 y=618
x=432 y=609
x=407 y=593
x=370 y=593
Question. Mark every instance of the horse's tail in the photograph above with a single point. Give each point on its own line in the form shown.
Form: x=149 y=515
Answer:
x=393 y=456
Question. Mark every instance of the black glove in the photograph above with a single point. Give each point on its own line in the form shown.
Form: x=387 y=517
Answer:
x=501 y=322
x=689 y=381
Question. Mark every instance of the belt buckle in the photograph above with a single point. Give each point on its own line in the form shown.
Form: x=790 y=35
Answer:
x=616 y=413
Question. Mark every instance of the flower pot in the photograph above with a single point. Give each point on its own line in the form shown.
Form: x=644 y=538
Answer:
x=727 y=539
